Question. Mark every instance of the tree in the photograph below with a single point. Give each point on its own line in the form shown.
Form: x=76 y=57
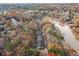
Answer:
x=76 y=21
x=10 y=46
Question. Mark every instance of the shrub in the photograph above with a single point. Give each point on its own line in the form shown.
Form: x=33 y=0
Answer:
x=31 y=52
x=57 y=51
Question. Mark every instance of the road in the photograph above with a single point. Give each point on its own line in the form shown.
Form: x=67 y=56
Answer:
x=68 y=36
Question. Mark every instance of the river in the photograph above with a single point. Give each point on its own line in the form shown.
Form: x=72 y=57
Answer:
x=68 y=35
